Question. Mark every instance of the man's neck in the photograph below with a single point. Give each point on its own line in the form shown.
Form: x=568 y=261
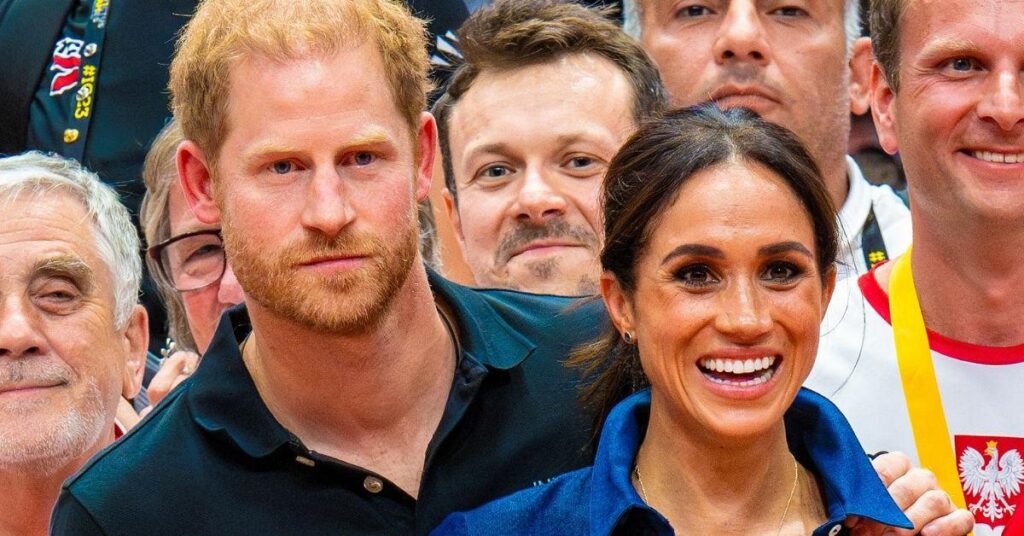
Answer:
x=837 y=181
x=29 y=495
x=373 y=399
x=968 y=276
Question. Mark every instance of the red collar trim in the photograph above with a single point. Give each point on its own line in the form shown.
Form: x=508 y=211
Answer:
x=964 y=351
x=118 y=430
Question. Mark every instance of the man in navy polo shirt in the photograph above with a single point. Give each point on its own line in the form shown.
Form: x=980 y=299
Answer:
x=355 y=392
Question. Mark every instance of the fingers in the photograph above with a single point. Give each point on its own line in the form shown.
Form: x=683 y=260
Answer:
x=126 y=414
x=957 y=523
x=916 y=491
x=891 y=466
x=173 y=371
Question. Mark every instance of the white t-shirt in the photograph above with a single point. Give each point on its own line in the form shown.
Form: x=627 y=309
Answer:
x=892 y=215
x=982 y=390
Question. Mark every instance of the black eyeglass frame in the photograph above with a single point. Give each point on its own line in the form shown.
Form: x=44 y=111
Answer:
x=157 y=250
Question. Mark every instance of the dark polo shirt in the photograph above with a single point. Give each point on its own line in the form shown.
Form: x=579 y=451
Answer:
x=211 y=459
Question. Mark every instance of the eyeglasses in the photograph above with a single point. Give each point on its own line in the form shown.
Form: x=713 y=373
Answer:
x=191 y=261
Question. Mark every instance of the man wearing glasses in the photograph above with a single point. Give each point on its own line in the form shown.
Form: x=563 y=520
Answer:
x=187 y=260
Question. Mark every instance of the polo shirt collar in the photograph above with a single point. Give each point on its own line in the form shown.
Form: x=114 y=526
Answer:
x=483 y=333
x=223 y=398
x=818 y=436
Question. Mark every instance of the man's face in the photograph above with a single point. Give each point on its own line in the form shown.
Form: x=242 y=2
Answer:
x=958 y=119
x=316 y=185
x=203 y=306
x=529 y=150
x=786 y=61
x=63 y=363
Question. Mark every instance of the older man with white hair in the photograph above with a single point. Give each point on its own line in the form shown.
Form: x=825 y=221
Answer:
x=72 y=335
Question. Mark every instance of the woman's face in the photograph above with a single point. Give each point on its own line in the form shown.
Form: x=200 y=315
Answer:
x=728 y=301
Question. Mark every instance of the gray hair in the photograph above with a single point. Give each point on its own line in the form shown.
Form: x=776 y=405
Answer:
x=116 y=239
x=851 y=20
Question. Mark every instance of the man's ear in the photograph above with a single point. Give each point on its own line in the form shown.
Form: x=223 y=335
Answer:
x=861 y=59
x=620 y=308
x=452 y=210
x=136 y=341
x=883 y=109
x=197 y=182
x=426 y=139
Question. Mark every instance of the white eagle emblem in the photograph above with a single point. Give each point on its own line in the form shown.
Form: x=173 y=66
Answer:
x=995 y=482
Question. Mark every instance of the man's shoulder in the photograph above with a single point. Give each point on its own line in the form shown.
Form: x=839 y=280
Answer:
x=559 y=506
x=149 y=461
x=544 y=312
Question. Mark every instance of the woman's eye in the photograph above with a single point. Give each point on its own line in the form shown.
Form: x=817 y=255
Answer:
x=781 y=272
x=698 y=276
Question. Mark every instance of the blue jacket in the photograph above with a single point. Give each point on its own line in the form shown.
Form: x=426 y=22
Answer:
x=601 y=500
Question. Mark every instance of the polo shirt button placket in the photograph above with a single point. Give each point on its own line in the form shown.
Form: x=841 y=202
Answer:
x=836 y=529
x=373 y=484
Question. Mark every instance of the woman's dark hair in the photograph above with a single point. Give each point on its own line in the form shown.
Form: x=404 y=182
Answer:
x=644 y=179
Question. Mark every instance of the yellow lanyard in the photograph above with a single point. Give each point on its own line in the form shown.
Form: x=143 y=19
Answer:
x=927 y=418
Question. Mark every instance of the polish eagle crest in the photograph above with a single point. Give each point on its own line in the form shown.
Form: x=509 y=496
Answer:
x=994 y=482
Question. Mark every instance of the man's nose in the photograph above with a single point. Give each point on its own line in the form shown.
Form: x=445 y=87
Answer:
x=539 y=198
x=1003 y=102
x=741 y=36
x=326 y=209
x=20 y=334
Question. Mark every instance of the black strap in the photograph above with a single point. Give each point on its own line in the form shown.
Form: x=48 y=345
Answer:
x=28 y=29
x=84 y=103
x=872 y=243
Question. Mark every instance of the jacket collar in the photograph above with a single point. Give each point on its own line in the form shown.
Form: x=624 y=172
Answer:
x=818 y=436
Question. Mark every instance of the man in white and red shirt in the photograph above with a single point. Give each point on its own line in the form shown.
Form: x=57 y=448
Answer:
x=947 y=384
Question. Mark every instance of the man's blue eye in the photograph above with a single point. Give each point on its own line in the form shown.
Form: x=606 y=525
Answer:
x=962 y=64
x=363 y=159
x=282 y=167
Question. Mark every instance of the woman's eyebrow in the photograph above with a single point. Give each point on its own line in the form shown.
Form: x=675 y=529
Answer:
x=699 y=250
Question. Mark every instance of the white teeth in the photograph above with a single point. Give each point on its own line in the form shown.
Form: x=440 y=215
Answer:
x=999 y=158
x=737 y=366
x=763 y=377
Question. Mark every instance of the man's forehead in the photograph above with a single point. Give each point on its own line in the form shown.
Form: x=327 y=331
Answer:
x=48 y=230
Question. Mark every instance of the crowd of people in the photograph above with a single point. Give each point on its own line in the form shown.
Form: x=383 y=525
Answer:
x=691 y=312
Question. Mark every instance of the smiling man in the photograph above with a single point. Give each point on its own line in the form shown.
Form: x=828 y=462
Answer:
x=546 y=95
x=936 y=345
x=798 y=64
x=72 y=335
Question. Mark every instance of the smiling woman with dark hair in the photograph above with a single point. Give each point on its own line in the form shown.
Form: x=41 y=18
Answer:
x=720 y=244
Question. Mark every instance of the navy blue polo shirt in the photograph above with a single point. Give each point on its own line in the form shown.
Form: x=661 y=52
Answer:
x=211 y=459
x=601 y=500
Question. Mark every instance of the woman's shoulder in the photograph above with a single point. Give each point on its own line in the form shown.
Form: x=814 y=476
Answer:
x=560 y=506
